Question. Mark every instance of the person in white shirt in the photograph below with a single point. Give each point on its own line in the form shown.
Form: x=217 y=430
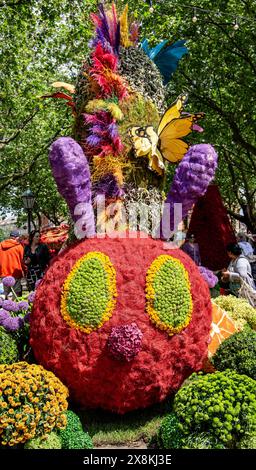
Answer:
x=239 y=269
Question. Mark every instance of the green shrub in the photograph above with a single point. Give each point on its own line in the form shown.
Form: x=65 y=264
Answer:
x=202 y=441
x=248 y=441
x=77 y=440
x=52 y=441
x=238 y=309
x=169 y=434
x=238 y=352
x=222 y=404
x=73 y=436
x=73 y=422
x=8 y=348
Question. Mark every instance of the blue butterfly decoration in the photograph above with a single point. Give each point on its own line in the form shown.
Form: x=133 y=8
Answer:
x=166 y=58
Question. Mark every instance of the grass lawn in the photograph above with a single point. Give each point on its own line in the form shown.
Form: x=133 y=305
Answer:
x=111 y=429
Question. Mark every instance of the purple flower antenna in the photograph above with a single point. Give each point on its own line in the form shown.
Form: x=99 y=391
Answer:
x=191 y=180
x=72 y=175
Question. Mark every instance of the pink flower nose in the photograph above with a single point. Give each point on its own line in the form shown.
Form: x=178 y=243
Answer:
x=125 y=341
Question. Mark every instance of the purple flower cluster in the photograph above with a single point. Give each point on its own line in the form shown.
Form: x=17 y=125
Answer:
x=23 y=305
x=208 y=276
x=31 y=297
x=124 y=342
x=10 y=305
x=10 y=323
x=8 y=281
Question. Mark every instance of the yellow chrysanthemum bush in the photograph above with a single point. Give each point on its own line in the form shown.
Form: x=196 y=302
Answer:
x=238 y=309
x=33 y=402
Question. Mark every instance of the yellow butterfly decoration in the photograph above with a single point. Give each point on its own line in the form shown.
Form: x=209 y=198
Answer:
x=166 y=143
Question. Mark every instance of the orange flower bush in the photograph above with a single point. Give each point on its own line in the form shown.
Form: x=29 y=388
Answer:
x=33 y=402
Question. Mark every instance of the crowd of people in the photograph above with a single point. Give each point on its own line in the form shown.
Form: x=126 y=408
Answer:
x=19 y=258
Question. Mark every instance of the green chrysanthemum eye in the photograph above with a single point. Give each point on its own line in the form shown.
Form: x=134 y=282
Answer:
x=89 y=292
x=169 y=301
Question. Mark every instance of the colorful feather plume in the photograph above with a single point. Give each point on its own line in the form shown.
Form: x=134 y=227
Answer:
x=104 y=72
x=124 y=28
x=107 y=29
x=98 y=105
x=103 y=138
x=103 y=112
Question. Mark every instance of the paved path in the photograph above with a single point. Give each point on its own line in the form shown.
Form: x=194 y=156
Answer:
x=131 y=445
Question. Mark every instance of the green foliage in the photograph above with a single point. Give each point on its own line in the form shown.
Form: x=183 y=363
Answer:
x=238 y=309
x=8 y=348
x=222 y=404
x=41 y=42
x=238 y=352
x=170 y=435
x=52 y=441
x=73 y=422
x=21 y=336
x=46 y=41
x=78 y=440
x=202 y=441
x=73 y=436
x=225 y=56
x=248 y=441
x=2 y=235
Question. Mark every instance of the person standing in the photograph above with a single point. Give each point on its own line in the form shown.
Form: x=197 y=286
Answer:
x=191 y=248
x=239 y=269
x=36 y=258
x=11 y=262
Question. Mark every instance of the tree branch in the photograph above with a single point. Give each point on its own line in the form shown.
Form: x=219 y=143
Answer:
x=228 y=117
x=22 y=126
x=236 y=216
x=240 y=52
x=18 y=176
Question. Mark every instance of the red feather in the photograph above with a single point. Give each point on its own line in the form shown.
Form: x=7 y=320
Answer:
x=96 y=19
x=102 y=59
x=58 y=94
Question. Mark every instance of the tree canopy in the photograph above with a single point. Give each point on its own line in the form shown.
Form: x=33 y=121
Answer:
x=46 y=41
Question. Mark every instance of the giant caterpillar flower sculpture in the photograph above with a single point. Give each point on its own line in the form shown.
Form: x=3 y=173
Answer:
x=123 y=320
